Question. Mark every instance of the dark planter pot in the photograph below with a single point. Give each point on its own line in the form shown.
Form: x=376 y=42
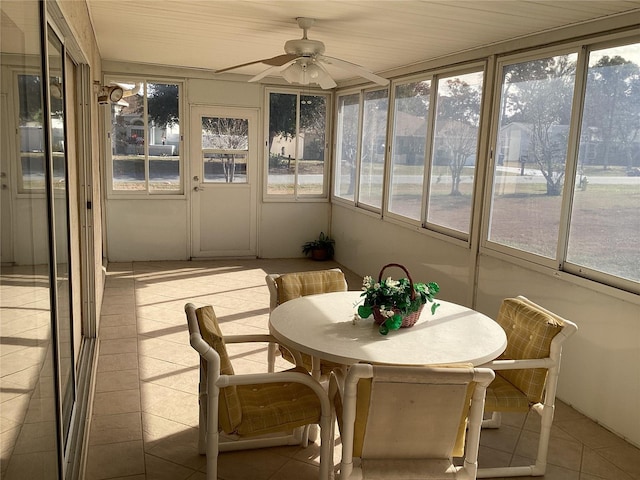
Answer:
x=320 y=254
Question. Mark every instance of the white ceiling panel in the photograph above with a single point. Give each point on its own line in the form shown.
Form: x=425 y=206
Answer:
x=379 y=35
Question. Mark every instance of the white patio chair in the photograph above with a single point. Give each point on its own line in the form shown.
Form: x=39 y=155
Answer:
x=409 y=422
x=253 y=410
x=526 y=374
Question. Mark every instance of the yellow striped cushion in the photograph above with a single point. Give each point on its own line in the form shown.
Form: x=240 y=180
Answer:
x=229 y=408
x=294 y=285
x=276 y=407
x=529 y=334
x=504 y=397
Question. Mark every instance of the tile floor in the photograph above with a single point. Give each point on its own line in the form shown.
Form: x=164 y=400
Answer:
x=145 y=413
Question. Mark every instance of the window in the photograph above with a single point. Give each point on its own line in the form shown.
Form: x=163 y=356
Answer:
x=347 y=146
x=605 y=222
x=410 y=117
x=528 y=178
x=297 y=136
x=454 y=152
x=225 y=148
x=566 y=179
x=145 y=139
x=372 y=152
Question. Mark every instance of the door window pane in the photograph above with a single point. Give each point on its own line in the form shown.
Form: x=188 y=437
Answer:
x=347 y=146
x=535 y=109
x=225 y=147
x=411 y=112
x=454 y=151
x=374 y=134
x=604 y=227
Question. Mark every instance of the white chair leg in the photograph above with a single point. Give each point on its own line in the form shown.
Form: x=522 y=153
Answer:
x=202 y=424
x=494 y=422
x=271 y=357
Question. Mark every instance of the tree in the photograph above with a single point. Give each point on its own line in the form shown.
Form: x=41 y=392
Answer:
x=283 y=112
x=612 y=107
x=540 y=97
x=226 y=134
x=457 y=125
x=162 y=102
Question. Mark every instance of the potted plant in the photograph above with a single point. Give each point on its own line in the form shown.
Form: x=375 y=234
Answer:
x=319 y=249
x=396 y=303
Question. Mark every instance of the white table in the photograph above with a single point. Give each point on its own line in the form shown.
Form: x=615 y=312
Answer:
x=322 y=326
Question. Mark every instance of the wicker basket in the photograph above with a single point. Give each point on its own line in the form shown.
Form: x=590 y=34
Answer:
x=408 y=320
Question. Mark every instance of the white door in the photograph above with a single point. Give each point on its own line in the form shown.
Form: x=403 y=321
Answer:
x=224 y=166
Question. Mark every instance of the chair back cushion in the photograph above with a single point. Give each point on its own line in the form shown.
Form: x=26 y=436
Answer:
x=529 y=334
x=229 y=408
x=294 y=285
x=411 y=418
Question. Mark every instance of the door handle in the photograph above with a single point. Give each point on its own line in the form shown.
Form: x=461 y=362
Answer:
x=197 y=189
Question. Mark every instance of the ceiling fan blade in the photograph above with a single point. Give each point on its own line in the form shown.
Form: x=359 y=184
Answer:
x=274 y=69
x=325 y=81
x=352 y=67
x=276 y=61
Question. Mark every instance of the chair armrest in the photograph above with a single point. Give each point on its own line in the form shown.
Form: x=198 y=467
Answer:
x=519 y=364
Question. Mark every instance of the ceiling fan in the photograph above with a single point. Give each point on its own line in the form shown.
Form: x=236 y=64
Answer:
x=304 y=62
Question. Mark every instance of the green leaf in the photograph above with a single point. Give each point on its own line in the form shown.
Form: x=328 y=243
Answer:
x=434 y=307
x=364 y=311
x=394 y=322
x=383 y=329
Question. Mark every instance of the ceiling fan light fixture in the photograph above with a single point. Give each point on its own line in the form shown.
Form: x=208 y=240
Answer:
x=293 y=73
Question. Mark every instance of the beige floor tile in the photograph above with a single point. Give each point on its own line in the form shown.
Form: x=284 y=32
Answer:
x=115 y=460
x=595 y=464
x=169 y=403
x=296 y=470
x=160 y=469
x=123 y=427
x=169 y=374
x=111 y=403
x=117 y=362
x=117 y=380
x=40 y=465
x=625 y=456
x=117 y=320
x=121 y=331
x=562 y=453
x=180 y=448
x=118 y=345
x=250 y=464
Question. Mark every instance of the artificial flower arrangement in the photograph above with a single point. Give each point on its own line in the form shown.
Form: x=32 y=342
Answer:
x=396 y=303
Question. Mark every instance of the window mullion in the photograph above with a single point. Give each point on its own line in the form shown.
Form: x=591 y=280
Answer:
x=571 y=167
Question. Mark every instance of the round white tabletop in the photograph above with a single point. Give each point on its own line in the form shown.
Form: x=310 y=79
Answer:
x=322 y=326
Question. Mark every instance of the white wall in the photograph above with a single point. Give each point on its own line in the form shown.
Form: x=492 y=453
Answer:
x=284 y=227
x=600 y=373
x=145 y=229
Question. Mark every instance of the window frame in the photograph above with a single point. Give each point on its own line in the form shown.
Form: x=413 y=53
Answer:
x=182 y=167
x=326 y=181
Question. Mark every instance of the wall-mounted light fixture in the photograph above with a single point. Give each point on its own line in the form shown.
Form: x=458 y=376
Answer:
x=110 y=94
